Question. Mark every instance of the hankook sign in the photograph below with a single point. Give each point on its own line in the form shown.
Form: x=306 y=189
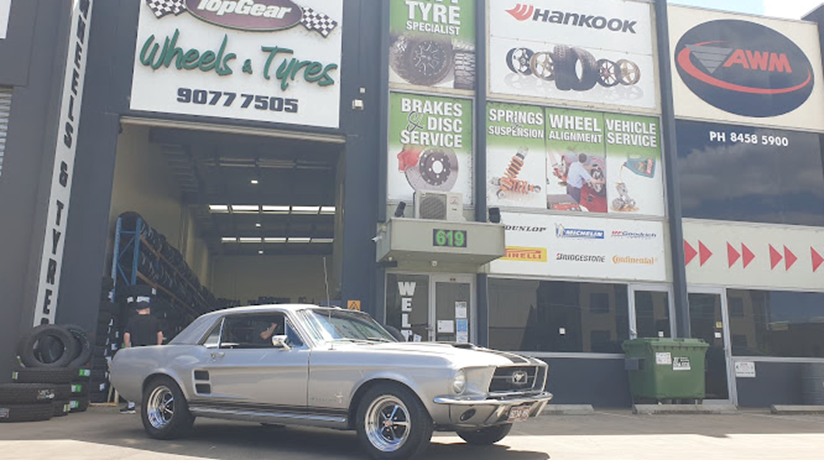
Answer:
x=732 y=68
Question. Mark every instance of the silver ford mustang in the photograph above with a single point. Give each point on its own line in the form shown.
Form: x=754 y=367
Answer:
x=333 y=368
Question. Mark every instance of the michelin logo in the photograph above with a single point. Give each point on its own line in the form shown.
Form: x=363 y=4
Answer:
x=587 y=234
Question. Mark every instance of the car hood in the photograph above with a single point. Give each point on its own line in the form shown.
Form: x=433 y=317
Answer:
x=463 y=355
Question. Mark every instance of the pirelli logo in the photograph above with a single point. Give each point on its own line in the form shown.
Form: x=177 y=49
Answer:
x=525 y=254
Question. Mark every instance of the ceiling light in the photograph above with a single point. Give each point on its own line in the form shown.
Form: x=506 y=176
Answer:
x=228 y=239
x=245 y=208
x=258 y=225
x=327 y=210
x=275 y=240
x=296 y=239
x=254 y=181
x=218 y=208
x=250 y=240
x=305 y=209
x=323 y=240
x=260 y=252
x=276 y=209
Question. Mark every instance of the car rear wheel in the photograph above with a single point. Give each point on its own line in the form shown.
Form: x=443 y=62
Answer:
x=486 y=436
x=164 y=412
x=392 y=423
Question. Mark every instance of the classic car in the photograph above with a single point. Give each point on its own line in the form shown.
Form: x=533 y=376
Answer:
x=332 y=368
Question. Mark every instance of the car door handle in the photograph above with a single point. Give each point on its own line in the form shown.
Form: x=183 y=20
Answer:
x=218 y=355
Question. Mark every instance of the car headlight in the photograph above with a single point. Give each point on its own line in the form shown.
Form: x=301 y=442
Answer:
x=459 y=382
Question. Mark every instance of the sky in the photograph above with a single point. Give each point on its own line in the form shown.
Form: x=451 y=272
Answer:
x=791 y=9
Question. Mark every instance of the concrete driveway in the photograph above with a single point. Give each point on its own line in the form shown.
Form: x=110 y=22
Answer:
x=103 y=433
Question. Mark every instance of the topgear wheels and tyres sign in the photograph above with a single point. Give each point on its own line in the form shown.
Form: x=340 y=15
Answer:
x=262 y=60
x=746 y=70
x=432 y=44
x=577 y=52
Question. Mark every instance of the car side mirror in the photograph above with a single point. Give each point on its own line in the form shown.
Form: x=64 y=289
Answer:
x=279 y=341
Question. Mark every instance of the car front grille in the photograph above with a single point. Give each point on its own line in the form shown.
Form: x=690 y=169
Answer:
x=517 y=379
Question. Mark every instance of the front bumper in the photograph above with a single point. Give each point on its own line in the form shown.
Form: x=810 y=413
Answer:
x=478 y=413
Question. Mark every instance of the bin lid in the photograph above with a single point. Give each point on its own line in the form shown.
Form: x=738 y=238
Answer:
x=663 y=342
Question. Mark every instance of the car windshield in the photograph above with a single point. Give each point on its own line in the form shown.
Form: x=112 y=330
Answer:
x=330 y=324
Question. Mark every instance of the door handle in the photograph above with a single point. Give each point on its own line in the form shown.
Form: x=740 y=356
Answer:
x=218 y=355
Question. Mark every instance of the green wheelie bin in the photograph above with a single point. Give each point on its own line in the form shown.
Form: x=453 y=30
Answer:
x=665 y=369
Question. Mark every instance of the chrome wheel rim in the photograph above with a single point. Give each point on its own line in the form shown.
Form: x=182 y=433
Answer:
x=387 y=423
x=160 y=408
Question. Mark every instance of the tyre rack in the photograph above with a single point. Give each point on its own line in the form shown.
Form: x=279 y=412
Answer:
x=125 y=267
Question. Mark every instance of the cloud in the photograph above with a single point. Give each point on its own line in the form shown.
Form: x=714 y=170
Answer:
x=794 y=9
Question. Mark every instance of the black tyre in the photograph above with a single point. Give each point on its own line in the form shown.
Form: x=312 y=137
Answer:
x=421 y=61
x=465 y=70
x=98 y=397
x=164 y=411
x=392 y=423
x=517 y=59
x=48 y=375
x=60 y=408
x=588 y=77
x=26 y=393
x=564 y=66
x=25 y=412
x=84 y=352
x=486 y=436
x=30 y=344
x=630 y=72
x=79 y=404
x=568 y=63
x=609 y=74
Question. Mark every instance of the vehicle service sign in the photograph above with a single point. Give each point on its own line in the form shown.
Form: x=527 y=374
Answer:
x=731 y=68
x=583 y=247
x=262 y=60
x=581 y=52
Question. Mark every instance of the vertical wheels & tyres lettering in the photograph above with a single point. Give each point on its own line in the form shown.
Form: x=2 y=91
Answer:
x=164 y=411
x=392 y=423
x=486 y=436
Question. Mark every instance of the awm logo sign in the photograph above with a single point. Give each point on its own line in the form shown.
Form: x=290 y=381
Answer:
x=744 y=68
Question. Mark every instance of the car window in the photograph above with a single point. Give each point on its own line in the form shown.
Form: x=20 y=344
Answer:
x=213 y=340
x=252 y=331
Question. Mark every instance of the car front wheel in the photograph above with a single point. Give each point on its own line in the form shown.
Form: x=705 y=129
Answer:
x=486 y=436
x=164 y=412
x=392 y=423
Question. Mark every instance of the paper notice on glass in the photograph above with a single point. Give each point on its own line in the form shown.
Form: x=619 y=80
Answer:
x=462 y=326
x=745 y=369
x=462 y=337
x=446 y=326
x=460 y=310
x=417 y=338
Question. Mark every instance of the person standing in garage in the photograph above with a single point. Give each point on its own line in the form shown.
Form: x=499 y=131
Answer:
x=142 y=330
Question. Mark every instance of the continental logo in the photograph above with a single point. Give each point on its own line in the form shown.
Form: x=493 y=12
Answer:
x=621 y=260
x=525 y=254
x=523 y=12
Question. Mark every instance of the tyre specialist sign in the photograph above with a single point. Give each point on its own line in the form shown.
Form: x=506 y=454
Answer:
x=261 y=60
x=746 y=70
x=577 y=52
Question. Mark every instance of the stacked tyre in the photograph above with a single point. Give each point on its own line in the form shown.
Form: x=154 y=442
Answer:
x=53 y=378
x=107 y=341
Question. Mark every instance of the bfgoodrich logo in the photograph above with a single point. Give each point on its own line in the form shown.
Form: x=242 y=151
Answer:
x=744 y=68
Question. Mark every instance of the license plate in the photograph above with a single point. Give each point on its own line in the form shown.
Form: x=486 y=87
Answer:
x=519 y=413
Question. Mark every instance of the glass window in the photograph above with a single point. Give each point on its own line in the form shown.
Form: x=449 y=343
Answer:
x=652 y=314
x=213 y=339
x=777 y=323
x=252 y=331
x=557 y=316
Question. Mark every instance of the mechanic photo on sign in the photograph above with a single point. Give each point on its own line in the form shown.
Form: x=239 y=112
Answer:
x=578 y=176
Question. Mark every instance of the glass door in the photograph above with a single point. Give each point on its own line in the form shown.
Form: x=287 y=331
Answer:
x=451 y=307
x=652 y=311
x=708 y=321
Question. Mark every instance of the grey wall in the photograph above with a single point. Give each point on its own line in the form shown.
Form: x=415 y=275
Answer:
x=775 y=383
x=33 y=66
x=600 y=382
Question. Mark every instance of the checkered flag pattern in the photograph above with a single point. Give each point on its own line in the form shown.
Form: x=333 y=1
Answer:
x=318 y=22
x=164 y=7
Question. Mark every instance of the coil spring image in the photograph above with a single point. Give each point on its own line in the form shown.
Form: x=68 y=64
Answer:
x=510 y=182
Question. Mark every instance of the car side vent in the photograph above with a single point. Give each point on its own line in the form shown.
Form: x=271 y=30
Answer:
x=201 y=375
x=203 y=388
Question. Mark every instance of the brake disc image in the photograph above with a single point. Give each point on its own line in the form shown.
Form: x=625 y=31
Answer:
x=437 y=170
x=421 y=61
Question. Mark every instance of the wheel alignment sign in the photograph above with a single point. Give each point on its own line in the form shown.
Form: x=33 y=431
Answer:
x=71 y=99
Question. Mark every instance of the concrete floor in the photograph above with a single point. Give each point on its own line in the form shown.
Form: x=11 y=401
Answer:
x=102 y=433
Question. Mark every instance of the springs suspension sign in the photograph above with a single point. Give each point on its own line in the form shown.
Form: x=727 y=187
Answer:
x=430 y=146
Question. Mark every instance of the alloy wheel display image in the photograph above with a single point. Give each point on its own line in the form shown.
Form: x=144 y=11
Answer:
x=573 y=68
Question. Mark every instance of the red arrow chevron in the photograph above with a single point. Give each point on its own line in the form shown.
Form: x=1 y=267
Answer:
x=732 y=255
x=789 y=258
x=689 y=253
x=817 y=259
x=747 y=254
x=775 y=257
x=704 y=253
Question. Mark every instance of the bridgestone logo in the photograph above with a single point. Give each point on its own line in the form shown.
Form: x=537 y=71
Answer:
x=581 y=258
x=585 y=20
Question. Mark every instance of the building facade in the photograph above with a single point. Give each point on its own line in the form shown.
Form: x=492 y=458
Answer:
x=547 y=178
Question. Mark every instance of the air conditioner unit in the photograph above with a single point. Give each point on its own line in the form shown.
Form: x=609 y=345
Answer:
x=439 y=206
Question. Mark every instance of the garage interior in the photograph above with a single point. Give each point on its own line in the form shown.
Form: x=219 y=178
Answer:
x=256 y=218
